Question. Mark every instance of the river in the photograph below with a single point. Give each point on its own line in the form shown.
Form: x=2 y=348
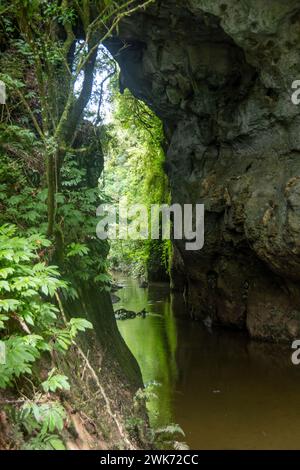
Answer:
x=224 y=390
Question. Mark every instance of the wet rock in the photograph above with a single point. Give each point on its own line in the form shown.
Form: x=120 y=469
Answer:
x=115 y=287
x=124 y=314
x=208 y=322
x=114 y=298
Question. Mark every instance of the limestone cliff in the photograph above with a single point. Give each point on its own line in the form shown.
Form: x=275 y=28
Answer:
x=219 y=74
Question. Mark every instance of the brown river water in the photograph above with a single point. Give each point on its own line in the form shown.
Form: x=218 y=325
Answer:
x=224 y=390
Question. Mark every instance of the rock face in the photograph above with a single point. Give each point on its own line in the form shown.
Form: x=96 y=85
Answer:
x=219 y=73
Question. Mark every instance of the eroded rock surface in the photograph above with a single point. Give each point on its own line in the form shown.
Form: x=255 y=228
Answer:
x=219 y=74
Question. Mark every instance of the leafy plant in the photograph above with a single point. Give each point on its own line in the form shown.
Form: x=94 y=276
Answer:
x=31 y=325
x=55 y=382
x=134 y=170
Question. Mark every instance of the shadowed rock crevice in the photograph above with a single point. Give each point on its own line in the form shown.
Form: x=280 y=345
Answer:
x=219 y=75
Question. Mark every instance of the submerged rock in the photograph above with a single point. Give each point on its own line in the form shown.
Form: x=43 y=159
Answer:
x=219 y=73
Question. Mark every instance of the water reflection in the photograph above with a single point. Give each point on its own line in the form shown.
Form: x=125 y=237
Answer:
x=153 y=341
x=225 y=391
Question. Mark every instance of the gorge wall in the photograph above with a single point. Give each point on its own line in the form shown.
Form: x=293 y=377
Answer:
x=219 y=75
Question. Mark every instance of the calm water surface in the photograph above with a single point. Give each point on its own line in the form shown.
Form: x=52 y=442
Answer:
x=224 y=390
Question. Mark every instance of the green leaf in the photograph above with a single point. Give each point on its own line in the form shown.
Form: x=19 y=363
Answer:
x=77 y=249
x=56 y=382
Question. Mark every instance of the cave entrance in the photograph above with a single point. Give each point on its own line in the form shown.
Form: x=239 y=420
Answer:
x=132 y=142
